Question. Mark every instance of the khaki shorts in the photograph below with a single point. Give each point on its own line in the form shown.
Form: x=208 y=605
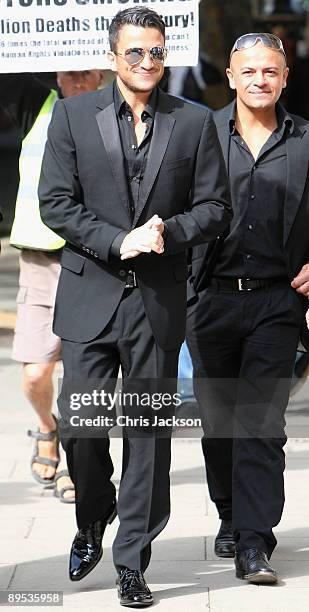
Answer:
x=34 y=340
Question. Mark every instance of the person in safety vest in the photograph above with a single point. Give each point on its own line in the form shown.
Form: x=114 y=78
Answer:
x=29 y=102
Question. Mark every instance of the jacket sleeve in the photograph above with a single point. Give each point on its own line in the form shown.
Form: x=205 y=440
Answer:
x=210 y=210
x=60 y=193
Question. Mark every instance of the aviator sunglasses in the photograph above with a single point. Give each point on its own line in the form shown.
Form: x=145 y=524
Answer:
x=246 y=41
x=136 y=54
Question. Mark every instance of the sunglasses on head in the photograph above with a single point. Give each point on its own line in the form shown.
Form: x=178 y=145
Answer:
x=246 y=41
x=136 y=54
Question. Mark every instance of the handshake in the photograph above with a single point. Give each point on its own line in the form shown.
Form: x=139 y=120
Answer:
x=144 y=239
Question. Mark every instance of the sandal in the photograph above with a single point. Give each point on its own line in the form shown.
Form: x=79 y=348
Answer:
x=60 y=492
x=36 y=458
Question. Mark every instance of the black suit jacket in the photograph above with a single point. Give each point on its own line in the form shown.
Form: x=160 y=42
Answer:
x=296 y=206
x=84 y=198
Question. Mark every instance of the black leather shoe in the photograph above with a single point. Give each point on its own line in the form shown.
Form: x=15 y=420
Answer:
x=253 y=565
x=224 y=542
x=87 y=550
x=133 y=591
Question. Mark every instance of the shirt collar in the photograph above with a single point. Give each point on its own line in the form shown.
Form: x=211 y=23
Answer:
x=285 y=121
x=121 y=105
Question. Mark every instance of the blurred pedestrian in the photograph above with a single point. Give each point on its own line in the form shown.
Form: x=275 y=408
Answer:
x=29 y=102
x=190 y=82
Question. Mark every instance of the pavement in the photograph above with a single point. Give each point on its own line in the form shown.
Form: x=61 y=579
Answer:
x=36 y=530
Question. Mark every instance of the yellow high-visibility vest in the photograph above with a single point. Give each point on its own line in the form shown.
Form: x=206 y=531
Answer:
x=28 y=229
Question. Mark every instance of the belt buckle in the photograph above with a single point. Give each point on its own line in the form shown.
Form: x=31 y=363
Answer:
x=240 y=284
x=131 y=280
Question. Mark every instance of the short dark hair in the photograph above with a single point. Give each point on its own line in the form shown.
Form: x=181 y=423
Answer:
x=137 y=16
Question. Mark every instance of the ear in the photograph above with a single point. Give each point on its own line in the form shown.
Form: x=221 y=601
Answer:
x=112 y=60
x=285 y=77
x=230 y=76
x=59 y=74
x=101 y=76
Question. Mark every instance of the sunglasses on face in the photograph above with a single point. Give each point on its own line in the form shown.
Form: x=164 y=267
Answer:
x=246 y=41
x=136 y=54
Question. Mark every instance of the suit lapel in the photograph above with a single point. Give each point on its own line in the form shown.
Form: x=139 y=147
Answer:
x=224 y=138
x=221 y=119
x=297 y=170
x=109 y=131
x=162 y=130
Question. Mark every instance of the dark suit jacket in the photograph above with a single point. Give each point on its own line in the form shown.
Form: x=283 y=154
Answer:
x=84 y=198
x=296 y=206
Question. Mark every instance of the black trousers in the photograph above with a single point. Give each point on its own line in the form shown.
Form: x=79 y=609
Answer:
x=243 y=347
x=144 y=500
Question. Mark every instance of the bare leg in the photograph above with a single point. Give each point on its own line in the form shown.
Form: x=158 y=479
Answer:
x=64 y=481
x=38 y=388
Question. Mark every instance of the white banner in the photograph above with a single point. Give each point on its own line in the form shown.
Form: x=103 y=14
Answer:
x=51 y=35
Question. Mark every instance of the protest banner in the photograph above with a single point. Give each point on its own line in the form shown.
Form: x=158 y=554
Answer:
x=51 y=35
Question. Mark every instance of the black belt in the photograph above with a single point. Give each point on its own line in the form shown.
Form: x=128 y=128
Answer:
x=131 y=280
x=244 y=284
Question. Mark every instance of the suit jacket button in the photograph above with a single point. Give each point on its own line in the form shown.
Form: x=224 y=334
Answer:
x=122 y=273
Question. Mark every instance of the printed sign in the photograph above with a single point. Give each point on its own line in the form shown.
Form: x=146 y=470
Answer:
x=51 y=35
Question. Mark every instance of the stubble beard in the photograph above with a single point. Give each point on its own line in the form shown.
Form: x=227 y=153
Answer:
x=136 y=89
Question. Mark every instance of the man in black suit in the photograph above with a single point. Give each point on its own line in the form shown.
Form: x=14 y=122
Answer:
x=131 y=178
x=244 y=328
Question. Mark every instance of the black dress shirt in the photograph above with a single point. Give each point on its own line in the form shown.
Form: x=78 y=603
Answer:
x=254 y=245
x=135 y=155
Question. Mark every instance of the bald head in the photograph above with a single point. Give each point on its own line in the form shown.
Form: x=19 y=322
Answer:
x=257 y=51
x=258 y=75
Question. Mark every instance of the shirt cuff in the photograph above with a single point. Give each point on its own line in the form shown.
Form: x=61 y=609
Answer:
x=116 y=244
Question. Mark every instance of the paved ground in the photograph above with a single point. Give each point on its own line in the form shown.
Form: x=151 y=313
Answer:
x=36 y=529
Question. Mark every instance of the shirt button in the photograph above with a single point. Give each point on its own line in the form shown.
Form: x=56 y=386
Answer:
x=133 y=147
x=252 y=197
x=248 y=256
x=129 y=118
x=122 y=273
x=250 y=227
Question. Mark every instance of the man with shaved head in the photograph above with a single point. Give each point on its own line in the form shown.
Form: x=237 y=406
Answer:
x=252 y=287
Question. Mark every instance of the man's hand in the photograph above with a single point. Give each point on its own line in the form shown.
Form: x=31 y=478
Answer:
x=156 y=223
x=144 y=239
x=301 y=281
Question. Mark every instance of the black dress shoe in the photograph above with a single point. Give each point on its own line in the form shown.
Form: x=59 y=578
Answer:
x=224 y=542
x=253 y=565
x=87 y=550
x=133 y=591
